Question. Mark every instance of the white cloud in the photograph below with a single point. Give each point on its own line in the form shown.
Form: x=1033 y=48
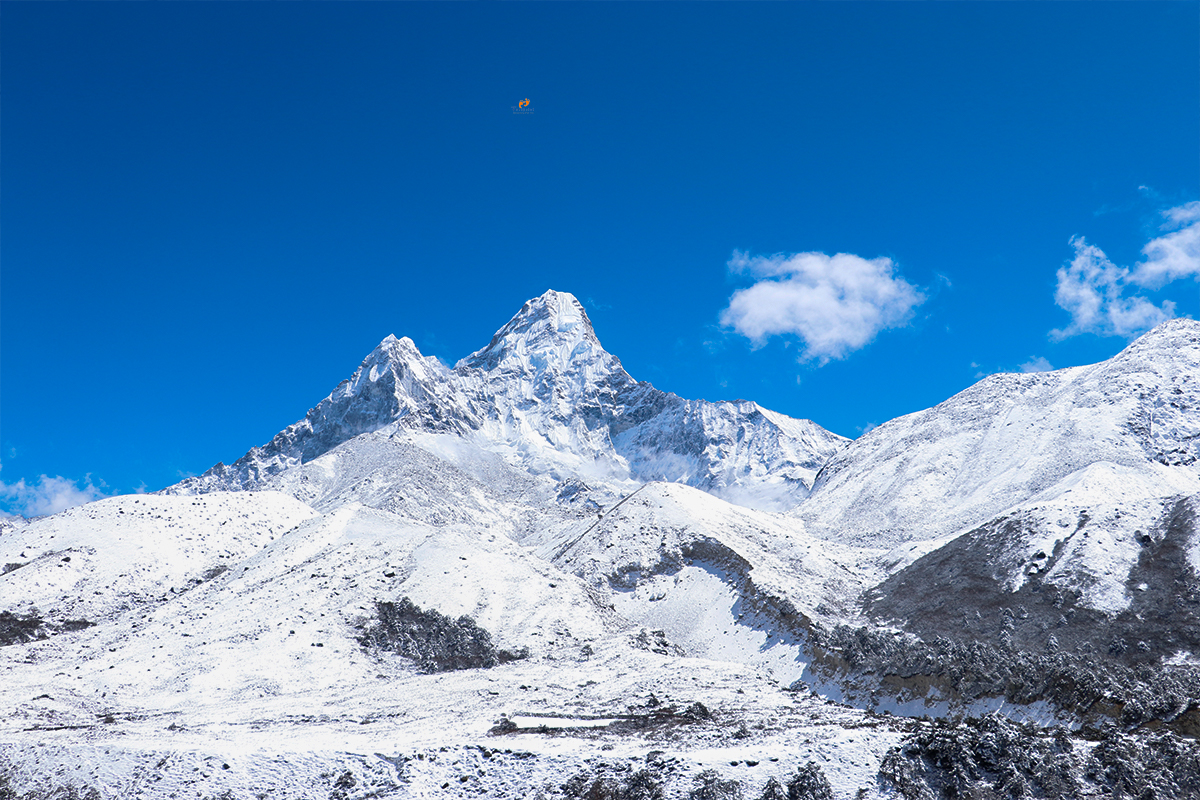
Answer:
x=48 y=495
x=1037 y=364
x=836 y=304
x=1175 y=255
x=1092 y=289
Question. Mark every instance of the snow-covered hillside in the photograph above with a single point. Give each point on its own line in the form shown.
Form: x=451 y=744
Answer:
x=533 y=576
x=1011 y=437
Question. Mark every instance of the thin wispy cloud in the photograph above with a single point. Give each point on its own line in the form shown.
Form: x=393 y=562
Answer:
x=1037 y=364
x=49 y=495
x=1101 y=296
x=1174 y=255
x=836 y=304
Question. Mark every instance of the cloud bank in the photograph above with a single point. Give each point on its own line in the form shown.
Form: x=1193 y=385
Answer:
x=836 y=304
x=1098 y=294
x=47 y=496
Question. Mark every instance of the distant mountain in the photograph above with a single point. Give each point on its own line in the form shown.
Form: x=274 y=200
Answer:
x=546 y=395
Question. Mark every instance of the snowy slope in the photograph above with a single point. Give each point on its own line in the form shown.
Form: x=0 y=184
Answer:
x=722 y=581
x=254 y=676
x=124 y=554
x=1011 y=437
x=1043 y=513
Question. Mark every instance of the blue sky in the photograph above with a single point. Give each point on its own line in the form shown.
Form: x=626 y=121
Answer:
x=212 y=211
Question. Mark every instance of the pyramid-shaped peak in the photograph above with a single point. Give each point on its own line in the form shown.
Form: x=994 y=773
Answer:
x=396 y=350
x=560 y=312
x=553 y=323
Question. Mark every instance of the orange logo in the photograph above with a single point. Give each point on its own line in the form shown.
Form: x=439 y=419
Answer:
x=523 y=103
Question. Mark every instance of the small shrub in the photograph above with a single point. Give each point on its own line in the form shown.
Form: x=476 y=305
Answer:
x=642 y=785
x=216 y=571
x=709 y=786
x=434 y=641
x=810 y=783
x=773 y=790
x=343 y=786
x=656 y=642
x=17 y=628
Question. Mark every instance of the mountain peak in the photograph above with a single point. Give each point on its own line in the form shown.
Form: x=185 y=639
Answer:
x=562 y=305
x=392 y=345
x=553 y=328
x=547 y=394
x=558 y=314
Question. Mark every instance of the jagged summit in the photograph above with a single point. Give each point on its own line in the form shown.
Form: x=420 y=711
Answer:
x=546 y=367
x=398 y=354
x=553 y=327
x=546 y=395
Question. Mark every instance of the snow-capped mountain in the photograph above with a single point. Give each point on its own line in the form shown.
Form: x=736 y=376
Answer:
x=1013 y=437
x=546 y=395
x=1063 y=480
x=1043 y=513
x=532 y=576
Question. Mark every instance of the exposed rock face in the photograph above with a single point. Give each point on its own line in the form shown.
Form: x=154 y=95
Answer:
x=1045 y=615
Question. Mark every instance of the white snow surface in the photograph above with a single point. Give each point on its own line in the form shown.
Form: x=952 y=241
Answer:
x=1011 y=437
x=258 y=666
x=643 y=549
x=125 y=553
